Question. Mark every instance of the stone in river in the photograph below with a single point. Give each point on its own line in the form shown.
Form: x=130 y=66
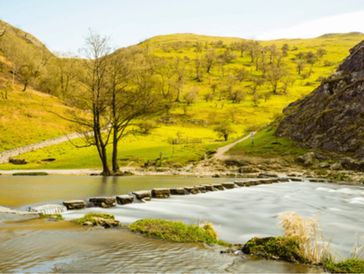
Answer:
x=178 y=191
x=74 y=204
x=144 y=195
x=124 y=199
x=104 y=202
x=161 y=192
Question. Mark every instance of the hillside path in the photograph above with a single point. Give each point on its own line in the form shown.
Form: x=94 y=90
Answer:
x=5 y=155
x=220 y=152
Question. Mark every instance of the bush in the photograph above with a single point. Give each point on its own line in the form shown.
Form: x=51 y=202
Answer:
x=176 y=231
x=347 y=266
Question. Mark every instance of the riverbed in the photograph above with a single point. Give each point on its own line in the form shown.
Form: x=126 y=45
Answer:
x=237 y=214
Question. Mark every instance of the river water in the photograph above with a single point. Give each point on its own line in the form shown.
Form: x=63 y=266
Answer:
x=237 y=215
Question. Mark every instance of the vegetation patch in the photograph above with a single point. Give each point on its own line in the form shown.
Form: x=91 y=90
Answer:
x=176 y=231
x=52 y=217
x=347 y=266
x=98 y=219
x=36 y=173
x=265 y=143
x=276 y=248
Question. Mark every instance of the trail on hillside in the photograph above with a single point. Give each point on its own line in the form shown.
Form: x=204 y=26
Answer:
x=220 y=152
x=5 y=155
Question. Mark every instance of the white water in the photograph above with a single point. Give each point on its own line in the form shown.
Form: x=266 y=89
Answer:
x=242 y=213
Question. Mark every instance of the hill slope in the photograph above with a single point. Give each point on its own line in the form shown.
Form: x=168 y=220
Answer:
x=332 y=117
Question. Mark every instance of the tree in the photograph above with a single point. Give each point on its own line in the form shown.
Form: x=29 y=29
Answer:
x=236 y=96
x=210 y=59
x=133 y=93
x=95 y=124
x=191 y=96
x=285 y=49
x=224 y=130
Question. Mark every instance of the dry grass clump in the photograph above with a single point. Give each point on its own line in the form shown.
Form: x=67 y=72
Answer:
x=305 y=231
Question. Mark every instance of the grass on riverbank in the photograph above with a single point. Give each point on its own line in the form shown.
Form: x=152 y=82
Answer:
x=176 y=231
x=266 y=144
x=138 y=150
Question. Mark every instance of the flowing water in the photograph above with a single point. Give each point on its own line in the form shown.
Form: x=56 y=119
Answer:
x=237 y=214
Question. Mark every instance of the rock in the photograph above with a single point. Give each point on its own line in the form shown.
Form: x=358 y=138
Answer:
x=178 y=191
x=201 y=188
x=106 y=223
x=48 y=209
x=104 y=202
x=192 y=190
x=248 y=169
x=218 y=186
x=316 y=180
x=267 y=175
x=145 y=195
x=324 y=165
x=124 y=199
x=88 y=223
x=17 y=161
x=295 y=179
x=228 y=185
x=48 y=160
x=307 y=159
x=74 y=204
x=283 y=179
x=276 y=248
x=352 y=164
x=161 y=193
x=209 y=188
x=336 y=166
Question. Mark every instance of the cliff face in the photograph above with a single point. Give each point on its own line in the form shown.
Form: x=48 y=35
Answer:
x=332 y=116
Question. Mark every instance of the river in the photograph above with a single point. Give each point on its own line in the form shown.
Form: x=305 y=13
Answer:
x=237 y=214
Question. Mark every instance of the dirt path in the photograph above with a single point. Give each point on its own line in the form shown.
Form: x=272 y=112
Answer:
x=220 y=152
x=5 y=155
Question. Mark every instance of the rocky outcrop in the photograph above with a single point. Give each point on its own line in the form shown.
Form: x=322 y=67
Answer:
x=145 y=195
x=332 y=117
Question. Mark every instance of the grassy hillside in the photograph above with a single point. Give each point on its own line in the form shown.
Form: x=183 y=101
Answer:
x=206 y=101
x=25 y=116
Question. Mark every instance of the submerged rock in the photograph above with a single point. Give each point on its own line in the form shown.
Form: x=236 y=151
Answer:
x=48 y=209
x=104 y=202
x=74 y=204
x=161 y=193
x=124 y=199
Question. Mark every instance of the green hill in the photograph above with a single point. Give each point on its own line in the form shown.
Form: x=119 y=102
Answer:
x=213 y=81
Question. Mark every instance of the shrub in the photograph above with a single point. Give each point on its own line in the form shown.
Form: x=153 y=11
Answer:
x=347 y=266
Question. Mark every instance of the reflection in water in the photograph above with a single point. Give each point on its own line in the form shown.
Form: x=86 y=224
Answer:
x=99 y=250
x=19 y=191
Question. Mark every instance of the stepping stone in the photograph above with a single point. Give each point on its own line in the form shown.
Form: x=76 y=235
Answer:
x=124 y=199
x=74 y=204
x=218 y=186
x=178 y=191
x=228 y=185
x=201 y=188
x=192 y=190
x=209 y=188
x=145 y=195
x=161 y=193
x=104 y=202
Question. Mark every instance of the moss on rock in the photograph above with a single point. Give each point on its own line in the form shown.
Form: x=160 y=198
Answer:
x=176 y=231
x=276 y=248
x=98 y=219
x=347 y=266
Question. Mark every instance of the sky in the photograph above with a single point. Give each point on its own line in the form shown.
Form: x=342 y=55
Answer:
x=63 y=24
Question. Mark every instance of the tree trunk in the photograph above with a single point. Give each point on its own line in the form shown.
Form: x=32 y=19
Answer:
x=25 y=86
x=115 y=165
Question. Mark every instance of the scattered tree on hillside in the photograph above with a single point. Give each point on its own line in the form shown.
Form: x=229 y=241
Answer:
x=210 y=59
x=191 y=96
x=224 y=130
